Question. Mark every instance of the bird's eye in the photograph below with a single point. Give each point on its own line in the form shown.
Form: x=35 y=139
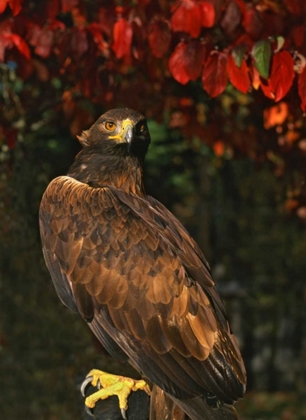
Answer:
x=142 y=128
x=110 y=126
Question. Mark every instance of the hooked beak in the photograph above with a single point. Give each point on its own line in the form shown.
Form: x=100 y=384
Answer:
x=126 y=134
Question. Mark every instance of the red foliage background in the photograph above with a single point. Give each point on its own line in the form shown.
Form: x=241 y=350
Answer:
x=165 y=57
x=184 y=40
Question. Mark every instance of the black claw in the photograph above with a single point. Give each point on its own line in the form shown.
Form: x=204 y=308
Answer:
x=89 y=411
x=84 y=385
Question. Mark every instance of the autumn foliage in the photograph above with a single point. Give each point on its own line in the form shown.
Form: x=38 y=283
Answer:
x=170 y=58
x=253 y=45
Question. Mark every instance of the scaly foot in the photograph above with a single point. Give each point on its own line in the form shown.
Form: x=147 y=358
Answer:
x=112 y=385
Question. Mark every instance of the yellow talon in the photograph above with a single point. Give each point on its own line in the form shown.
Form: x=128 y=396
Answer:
x=112 y=385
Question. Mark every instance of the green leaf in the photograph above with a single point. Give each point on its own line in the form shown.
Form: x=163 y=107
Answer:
x=261 y=53
x=238 y=52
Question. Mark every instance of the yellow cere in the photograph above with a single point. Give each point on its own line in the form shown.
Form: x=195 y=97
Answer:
x=125 y=124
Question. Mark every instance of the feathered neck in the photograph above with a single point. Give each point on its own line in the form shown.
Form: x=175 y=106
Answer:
x=112 y=167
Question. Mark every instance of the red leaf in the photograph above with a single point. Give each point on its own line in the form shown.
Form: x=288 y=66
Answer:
x=78 y=18
x=41 y=39
x=78 y=42
x=159 y=36
x=177 y=64
x=68 y=5
x=186 y=61
x=246 y=40
x=282 y=74
x=52 y=9
x=21 y=45
x=193 y=57
x=219 y=7
x=252 y=22
x=242 y=5
x=15 y=5
x=208 y=14
x=97 y=33
x=187 y=18
x=44 y=43
x=231 y=18
x=122 y=36
x=105 y=20
x=3 y=4
x=255 y=77
x=281 y=77
x=302 y=89
x=294 y=6
x=214 y=75
x=266 y=88
x=238 y=76
x=5 y=42
x=298 y=35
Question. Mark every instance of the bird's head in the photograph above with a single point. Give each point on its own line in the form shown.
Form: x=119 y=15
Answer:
x=120 y=129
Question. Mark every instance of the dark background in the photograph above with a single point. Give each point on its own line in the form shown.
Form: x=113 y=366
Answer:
x=233 y=207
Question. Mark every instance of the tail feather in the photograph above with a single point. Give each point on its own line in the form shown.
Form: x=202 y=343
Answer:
x=165 y=407
x=162 y=407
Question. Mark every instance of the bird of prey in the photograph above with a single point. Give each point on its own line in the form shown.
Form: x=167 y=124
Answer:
x=125 y=263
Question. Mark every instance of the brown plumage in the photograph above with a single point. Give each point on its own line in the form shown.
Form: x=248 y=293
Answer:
x=128 y=266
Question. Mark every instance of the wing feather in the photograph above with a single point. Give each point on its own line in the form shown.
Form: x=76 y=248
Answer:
x=135 y=273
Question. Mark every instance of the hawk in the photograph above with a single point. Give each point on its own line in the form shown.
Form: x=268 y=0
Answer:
x=124 y=262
